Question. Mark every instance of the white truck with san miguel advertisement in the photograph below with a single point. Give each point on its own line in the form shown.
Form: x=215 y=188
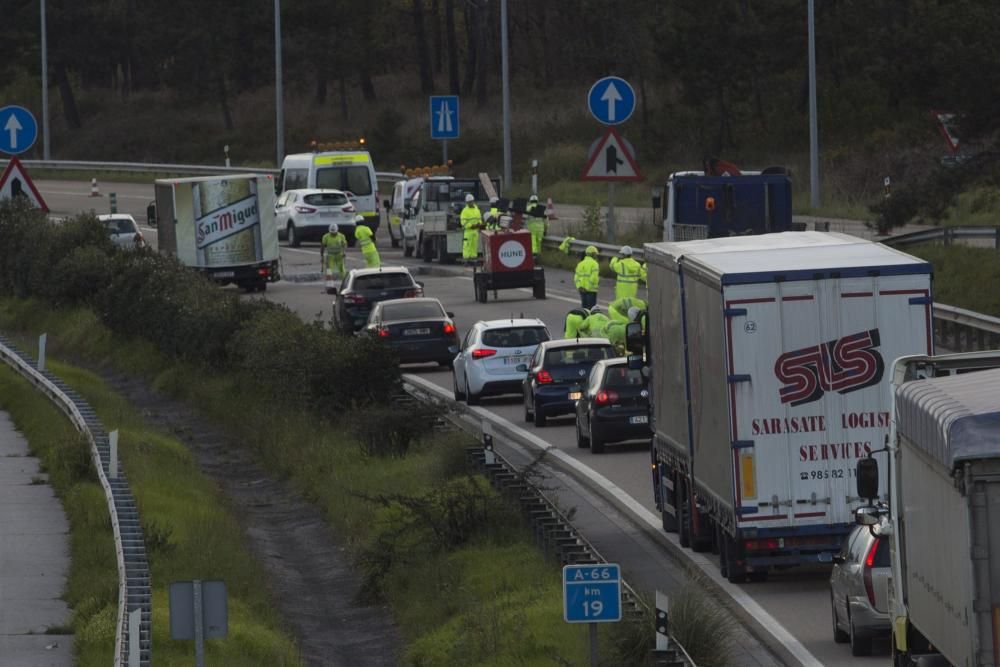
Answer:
x=222 y=226
x=768 y=358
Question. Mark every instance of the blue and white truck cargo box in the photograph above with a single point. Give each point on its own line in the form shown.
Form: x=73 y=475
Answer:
x=769 y=358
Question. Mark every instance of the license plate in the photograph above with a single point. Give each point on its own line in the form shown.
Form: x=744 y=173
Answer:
x=575 y=395
x=514 y=361
x=327 y=214
x=224 y=274
x=416 y=332
x=639 y=419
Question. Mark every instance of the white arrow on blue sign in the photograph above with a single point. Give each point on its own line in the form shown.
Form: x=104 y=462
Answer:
x=611 y=100
x=18 y=130
x=592 y=593
x=444 y=117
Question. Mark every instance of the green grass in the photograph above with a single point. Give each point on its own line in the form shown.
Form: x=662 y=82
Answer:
x=489 y=598
x=980 y=206
x=964 y=277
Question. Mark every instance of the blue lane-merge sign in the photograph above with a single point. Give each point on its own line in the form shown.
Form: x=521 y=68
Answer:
x=592 y=593
x=18 y=130
x=444 y=117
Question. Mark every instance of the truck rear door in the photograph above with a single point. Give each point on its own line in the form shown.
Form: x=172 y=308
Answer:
x=808 y=382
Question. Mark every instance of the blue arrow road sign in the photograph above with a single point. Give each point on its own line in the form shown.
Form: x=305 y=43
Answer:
x=611 y=100
x=444 y=117
x=592 y=593
x=18 y=130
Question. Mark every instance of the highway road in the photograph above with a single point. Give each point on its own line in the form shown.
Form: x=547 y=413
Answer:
x=796 y=602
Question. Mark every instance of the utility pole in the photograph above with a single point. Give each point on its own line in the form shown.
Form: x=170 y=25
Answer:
x=813 y=128
x=46 y=155
x=505 y=67
x=279 y=105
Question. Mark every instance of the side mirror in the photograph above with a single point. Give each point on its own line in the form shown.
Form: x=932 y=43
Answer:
x=633 y=338
x=151 y=214
x=867 y=473
x=867 y=516
x=521 y=368
x=634 y=362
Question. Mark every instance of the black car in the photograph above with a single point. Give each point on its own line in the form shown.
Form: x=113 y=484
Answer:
x=614 y=406
x=419 y=330
x=363 y=288
x=556 y=375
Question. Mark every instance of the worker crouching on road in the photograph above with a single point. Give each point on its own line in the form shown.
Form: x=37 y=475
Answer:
x=472 y=221
x=537 y=228
x=619 y=308
x=364 y=235
x=574 y=319
x=629 y=272
x=595 y=324
x=615 y=331
x=587 y=277
x=333 y=245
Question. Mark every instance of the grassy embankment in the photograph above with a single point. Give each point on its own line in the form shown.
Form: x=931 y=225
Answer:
x=462 y=593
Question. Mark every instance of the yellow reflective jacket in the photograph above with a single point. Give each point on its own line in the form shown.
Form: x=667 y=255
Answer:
x=587 y=276
x=471 y=217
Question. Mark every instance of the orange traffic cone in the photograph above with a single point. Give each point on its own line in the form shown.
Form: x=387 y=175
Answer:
x=94 y=192
x=550 y=210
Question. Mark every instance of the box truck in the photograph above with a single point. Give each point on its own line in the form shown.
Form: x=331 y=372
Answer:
x=222 y=226
x=943 y=521
x=768 y=358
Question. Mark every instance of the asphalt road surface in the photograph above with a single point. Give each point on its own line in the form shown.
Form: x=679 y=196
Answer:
x=797 y=601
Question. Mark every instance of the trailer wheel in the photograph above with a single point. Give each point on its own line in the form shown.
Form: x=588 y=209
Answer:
x=728 y=550
x=538 y=288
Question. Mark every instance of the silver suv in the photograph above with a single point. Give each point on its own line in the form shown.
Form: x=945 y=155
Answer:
x=859 y=591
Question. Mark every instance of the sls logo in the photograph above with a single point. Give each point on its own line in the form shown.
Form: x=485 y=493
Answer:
x=843 y=365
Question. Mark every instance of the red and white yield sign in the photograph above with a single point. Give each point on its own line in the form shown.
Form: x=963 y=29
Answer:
x=947 y=125
x=611 y=160
x=15 y=182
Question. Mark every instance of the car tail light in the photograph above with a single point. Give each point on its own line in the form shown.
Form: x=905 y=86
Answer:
x=347 y=208
x=544 y=377
x=354 y=298
x=762 y=545
x=139 y=241
x=482 y=353
x=383 y=332
x=449 y=328
x=606 y=397
x=414 y=293
x=305 y=209
x=869 y=563
x=263 y=271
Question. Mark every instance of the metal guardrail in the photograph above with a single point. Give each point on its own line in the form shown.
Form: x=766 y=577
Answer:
x=134 y=591
x=945 y=235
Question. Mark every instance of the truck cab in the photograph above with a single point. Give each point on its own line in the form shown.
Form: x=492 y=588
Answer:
x=703 y=206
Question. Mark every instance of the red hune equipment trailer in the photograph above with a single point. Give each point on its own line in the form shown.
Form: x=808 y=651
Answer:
x=508 y=264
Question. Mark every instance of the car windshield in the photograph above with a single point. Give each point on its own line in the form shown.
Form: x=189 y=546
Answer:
x=120 y=226
x=326 y=199
x=622 y=376
x=414 y=310
x=356 y=179
x=588 y=354
x=382 y=281
x=515 y=336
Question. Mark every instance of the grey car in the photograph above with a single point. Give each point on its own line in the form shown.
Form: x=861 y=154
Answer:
x=859 y=592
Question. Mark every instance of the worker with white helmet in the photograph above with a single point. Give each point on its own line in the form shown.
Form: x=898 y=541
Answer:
x=536 y=226
x=366 y=240
x=587 y=277
x=629 y=273
x=472 y=222
x=621 y=309
x=333 y=245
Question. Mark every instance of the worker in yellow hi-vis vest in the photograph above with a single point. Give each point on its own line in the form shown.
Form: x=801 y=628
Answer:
x=472 y=221
x=629 y=272
x=363 y=234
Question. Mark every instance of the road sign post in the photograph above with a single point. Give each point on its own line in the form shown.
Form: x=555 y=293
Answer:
x=611 y=100
x=18 y=130
x=444 y=121
x=592 y=594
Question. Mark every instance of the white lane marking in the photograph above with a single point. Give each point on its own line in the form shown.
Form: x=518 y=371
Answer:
x=639 y=511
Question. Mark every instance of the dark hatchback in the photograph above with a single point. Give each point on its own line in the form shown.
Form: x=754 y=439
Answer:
x=418 y=330
x=556 y=375
x=363 y=288
x=614 y=406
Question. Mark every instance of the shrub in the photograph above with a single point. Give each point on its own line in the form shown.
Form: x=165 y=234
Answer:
x=389 y=430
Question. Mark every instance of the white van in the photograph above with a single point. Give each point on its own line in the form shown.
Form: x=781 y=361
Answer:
x=349 y=171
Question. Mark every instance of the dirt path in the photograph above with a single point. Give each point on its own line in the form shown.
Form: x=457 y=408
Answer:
x=310 y=576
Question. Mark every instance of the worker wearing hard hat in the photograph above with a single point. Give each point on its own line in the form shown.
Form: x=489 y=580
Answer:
x=536 y=226
x=587 y=277
x=629 y=272
x=491 y=220
x=620 y=309
x=595 y=323
x=364 y=234
x=472 y=221
x=333 y=245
